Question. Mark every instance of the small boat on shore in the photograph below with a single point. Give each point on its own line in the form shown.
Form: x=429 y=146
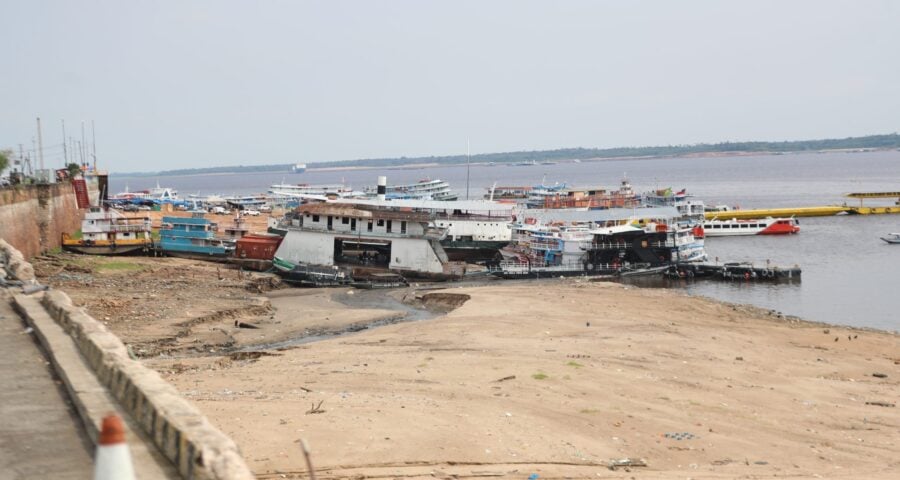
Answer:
x=893 y=238
x=736 y=227
x=108 y=232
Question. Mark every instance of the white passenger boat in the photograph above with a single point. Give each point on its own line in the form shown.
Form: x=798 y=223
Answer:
x=425 y=189
x=765 y=226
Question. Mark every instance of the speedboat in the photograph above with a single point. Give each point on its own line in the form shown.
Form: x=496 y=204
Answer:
x=765 y=226
x=892 y=238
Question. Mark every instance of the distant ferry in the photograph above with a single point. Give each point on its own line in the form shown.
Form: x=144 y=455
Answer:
x=337 y=190
x=425 y=189
x=298 y=168
x=155 y=195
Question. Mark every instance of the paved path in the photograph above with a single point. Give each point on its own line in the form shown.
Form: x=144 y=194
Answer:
x=40 y=434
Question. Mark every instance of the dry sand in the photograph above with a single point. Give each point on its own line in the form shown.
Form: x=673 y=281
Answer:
x=514 y=382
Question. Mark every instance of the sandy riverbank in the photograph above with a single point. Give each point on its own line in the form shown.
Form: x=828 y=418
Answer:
x=177 y=307
x=515 y=382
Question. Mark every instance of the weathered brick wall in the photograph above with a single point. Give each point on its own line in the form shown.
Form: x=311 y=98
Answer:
x=34 y=217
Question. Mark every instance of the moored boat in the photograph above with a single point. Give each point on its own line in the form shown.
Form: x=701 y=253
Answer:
x=893 y=238
x=736 y=227
x=426 y=189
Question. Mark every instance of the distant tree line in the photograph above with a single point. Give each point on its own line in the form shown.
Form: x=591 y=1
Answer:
x=869 y=142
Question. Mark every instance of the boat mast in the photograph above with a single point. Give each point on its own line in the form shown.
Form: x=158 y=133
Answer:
x=467 y=168
x=94 y=145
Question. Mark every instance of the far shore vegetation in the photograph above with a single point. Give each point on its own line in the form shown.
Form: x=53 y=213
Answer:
x=887 y=141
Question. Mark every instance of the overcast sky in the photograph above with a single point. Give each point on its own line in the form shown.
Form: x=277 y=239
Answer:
x=174 y=84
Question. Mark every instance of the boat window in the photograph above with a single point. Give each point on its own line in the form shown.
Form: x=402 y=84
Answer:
x=345 y=220
x=353 y=224
x=403 y=226
x=369 y=227
x=389 y=222
x=315 y=218
x=380 y=223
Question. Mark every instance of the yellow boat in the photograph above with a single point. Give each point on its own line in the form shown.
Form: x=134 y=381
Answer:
x=108 y=232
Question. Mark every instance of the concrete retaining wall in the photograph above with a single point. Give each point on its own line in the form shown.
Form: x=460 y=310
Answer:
x=34 y=217
x=182 y=433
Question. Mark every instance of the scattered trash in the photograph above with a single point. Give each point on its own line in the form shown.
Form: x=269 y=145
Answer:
x=27 y=330
x=240 y=324
x=626 y=463
x=29 y=289
x=680 y=436
x=760 y=462
x=881 y=404
x=879 y=375
x=740 y=359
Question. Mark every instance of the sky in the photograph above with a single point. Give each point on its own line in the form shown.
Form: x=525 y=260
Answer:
x=189 y=83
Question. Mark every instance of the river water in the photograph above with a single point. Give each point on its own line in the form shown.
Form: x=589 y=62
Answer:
x=850 y=276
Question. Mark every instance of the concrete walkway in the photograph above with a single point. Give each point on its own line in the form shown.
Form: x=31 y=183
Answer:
x=40 y=434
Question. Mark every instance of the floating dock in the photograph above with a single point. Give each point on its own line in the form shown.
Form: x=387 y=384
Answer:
x=733 y=271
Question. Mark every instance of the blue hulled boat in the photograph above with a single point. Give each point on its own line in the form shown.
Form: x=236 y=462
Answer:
x=193 y=237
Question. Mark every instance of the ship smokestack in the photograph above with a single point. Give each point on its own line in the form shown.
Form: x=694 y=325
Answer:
x=382 y=187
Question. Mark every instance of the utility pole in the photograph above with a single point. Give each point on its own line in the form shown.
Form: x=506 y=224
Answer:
x=467 y=168
x=94 y=142
x=40 y=144
x=65 y=150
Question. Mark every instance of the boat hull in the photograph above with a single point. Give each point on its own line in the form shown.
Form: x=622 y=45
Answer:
x=473 y=251
x=208 y=257
x=111 y=250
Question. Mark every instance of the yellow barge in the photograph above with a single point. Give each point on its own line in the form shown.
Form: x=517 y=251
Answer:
x=779 y=212
x=826 y=211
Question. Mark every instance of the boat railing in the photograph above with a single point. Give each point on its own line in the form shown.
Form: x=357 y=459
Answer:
x=520 y=267
x=115 y=228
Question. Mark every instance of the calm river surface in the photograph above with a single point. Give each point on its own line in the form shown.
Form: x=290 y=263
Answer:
x=850 y=276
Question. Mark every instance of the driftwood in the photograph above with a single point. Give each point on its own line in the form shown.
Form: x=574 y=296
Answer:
x=306 y=455
x=511 y=377
x=316 y=408
x=626 y=463
x=881 y=404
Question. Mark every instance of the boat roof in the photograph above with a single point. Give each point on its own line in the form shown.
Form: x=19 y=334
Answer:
x=423 y=204
x=609 y=214
x=361 y=211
